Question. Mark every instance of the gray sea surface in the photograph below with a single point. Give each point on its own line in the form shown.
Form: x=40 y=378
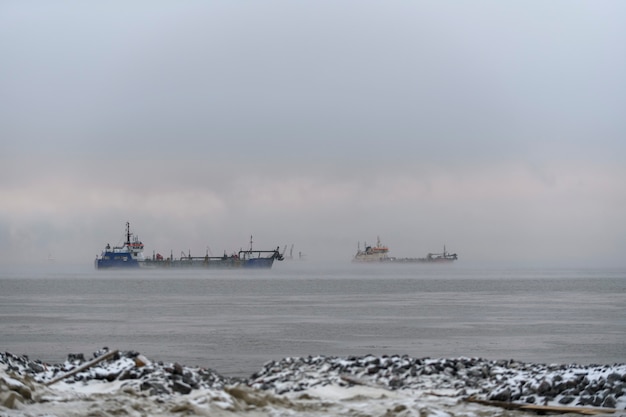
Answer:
x=233 y=321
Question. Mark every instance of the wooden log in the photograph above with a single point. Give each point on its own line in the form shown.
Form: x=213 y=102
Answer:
x=83 y=367
x=543 y=409
x=501 y=404
x=561 y=409
x=356 y=381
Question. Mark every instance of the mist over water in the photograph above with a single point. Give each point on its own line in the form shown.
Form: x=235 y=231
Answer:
x=233 y=321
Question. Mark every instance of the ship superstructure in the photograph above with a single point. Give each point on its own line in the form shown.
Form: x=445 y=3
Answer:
x=376 y=253
x=128 y=255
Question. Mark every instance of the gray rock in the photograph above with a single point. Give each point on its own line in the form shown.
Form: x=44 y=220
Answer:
x=154 y=388
x=181 y=387
x=503 y=395
x=76 y=357
x=36 y=367
x=544 y=388
x=615 y=377
x=609 y=401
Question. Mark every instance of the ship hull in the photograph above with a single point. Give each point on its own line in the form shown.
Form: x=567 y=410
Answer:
x=419 y=260
x=210 y=263
x=117 y=263
x=258 y=263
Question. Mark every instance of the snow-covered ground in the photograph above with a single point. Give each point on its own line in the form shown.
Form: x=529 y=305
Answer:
x=128 y=384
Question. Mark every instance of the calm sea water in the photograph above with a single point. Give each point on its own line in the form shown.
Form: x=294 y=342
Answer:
x=234 y=321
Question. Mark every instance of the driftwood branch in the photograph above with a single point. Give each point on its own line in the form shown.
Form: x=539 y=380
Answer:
x=83 y=367
x=356 y=381
x=542 y=409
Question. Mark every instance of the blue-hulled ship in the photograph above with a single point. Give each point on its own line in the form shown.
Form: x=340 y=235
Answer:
x=130 y=255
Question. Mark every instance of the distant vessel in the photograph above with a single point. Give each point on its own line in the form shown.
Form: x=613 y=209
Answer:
x=130 y=255
x=379 y=253
x=301 y=256
x=376 y=253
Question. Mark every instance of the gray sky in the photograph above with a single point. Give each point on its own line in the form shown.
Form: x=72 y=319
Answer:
x=496 y=128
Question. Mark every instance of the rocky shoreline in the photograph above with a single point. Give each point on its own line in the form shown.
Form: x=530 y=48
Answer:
x=503 y=381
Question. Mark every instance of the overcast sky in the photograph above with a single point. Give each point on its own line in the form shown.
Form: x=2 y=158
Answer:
x=495 y=128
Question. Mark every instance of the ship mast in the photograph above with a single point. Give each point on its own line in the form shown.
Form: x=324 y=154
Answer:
x=128 y=233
